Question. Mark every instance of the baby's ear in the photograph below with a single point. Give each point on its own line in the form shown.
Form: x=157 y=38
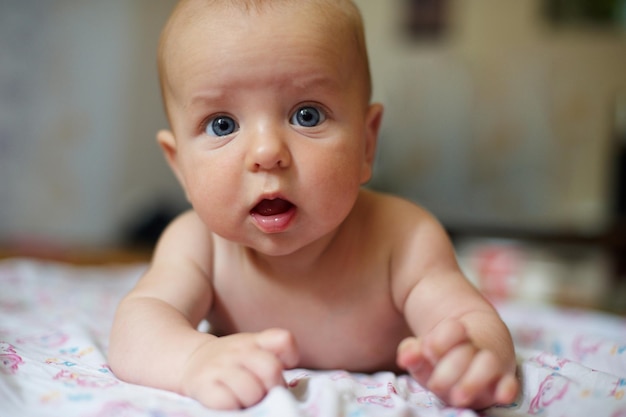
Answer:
x=373 y=120
x=167 y=142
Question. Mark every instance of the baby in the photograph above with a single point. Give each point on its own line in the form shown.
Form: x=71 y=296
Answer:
x=292 y=262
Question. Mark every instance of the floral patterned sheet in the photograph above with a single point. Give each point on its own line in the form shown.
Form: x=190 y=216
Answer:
x=55 y=319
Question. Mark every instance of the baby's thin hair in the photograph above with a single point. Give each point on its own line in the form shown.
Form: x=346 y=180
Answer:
x=347 y=6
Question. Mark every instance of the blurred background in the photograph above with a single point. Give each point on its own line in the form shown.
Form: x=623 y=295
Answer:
x=505 y=118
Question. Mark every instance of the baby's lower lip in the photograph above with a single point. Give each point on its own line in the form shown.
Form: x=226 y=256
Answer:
x=273 y=216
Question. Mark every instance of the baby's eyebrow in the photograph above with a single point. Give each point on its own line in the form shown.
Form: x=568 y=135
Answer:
x=315 y=79
x=207 y=96
x=311 y=83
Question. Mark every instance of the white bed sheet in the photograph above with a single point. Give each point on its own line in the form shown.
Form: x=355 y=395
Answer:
x=55 y=319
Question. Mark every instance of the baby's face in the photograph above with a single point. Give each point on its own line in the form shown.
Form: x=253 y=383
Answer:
x=272 y=131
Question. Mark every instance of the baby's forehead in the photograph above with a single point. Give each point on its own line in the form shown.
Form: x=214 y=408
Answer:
x=207 y=19
x=335 y=20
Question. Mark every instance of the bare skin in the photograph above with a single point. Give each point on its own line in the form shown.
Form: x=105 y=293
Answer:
x=292 y=263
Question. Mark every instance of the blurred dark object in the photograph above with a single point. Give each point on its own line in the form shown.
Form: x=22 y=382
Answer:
x=620 y=152
x=620 y=176
x=144 y=230
x=426 y=18
x=619 y=229
x=584 y=12
x=36 y=248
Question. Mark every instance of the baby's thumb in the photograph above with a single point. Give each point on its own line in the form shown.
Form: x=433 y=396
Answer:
x=282 y=344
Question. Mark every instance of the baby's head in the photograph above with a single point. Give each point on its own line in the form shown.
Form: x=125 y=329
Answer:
x=272 y=130
x=339 y=21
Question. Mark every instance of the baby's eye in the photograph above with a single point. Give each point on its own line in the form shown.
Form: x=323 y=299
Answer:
x=307 y=116
x=221 y=126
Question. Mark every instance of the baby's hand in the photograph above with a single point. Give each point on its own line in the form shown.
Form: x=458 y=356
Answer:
x=448 y=363
x=237 y=371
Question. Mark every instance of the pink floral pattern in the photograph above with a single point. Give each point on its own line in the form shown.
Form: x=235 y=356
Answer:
x=55 y=319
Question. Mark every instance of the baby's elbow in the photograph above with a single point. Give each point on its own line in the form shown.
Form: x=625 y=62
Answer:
x=117 y=358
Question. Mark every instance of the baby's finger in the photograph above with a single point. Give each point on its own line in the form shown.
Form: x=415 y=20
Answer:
x=507 y=389
x=410 y=357
x=281 y=343
x=266 y=368
x=217 y=396
x=478 y=381
x=245 y=386
x=409 y=353
x=445 y=336
x=451 y=368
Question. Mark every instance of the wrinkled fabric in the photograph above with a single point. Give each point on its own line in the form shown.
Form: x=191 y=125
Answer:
x=54 y=326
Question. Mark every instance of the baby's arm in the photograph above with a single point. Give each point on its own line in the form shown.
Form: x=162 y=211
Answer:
x=154 y=340
x=463 y=352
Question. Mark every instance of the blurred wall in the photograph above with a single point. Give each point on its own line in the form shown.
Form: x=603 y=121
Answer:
x=500 y=121
x=79 y=108
x=503 y=120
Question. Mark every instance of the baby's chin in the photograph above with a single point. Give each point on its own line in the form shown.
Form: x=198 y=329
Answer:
x=284 y=244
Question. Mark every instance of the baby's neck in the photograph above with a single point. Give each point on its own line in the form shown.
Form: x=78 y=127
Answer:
x=299 y=263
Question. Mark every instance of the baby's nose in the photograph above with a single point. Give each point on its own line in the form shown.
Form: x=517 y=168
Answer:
x=268 y=150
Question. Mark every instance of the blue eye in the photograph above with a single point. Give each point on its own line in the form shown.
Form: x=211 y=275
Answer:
x=221 y=126
x=307 y=116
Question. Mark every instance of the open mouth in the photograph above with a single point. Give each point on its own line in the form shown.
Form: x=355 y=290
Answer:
x=273 y=207
x=273 y=215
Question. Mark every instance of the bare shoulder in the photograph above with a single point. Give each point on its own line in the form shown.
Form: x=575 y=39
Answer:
x=415 y=237
x=399 y=216
x=180 y=271
x=419 y=244
x=186 y=238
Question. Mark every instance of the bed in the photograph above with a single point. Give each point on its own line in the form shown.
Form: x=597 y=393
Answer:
x=55 y=319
